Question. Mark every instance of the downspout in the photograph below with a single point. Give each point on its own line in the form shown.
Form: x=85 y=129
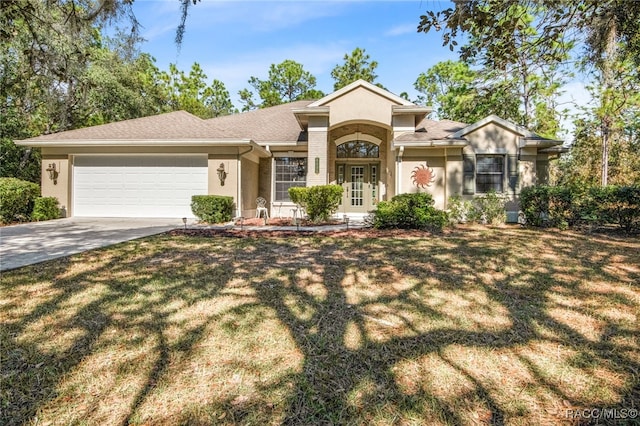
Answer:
x=399 y=170
x=238 y=186
x=446 y=182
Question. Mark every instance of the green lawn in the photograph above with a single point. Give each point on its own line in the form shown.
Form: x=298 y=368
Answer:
x=475 y=326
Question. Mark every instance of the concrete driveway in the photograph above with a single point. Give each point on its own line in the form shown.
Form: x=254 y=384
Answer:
x=22 y=245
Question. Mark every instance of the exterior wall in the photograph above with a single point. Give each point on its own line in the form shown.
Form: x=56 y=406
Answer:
x=250 y=174
x=63 y=157
x=454 y=171
x=62 y=188
x=542 y=170
x=527 y=168
x=434 y=159
x=230 y=187
x=447 y=167
x=531 y=169
x=383 y=180
x=281 y=208
x=493 y=139
x=318 y=148
x=403 y=123
x=360 y=105
x=265 y=182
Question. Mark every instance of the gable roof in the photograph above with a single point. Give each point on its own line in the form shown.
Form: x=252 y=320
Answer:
x=177 y=126
x=360 y=84
x=432 y=130
x=529 y=139
x=273 y=124
x=526 y=134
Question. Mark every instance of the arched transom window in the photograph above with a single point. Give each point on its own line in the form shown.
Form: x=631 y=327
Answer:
x=358 y=149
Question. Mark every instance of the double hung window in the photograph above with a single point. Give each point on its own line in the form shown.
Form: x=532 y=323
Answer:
x=489 y=173
x=289 y=172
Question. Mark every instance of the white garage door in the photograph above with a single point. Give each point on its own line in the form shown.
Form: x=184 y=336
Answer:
x=137 y=185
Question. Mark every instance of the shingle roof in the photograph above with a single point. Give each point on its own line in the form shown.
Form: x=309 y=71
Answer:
x=178 y=125
x=428 y=130
x=274 y=124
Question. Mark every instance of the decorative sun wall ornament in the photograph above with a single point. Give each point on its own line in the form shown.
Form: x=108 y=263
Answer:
x=423 y=176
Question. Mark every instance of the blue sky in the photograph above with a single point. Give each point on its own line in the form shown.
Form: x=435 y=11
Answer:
x=234 y=40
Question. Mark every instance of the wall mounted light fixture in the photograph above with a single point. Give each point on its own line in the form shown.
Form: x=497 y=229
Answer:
x=53 y=173
x=222 y=175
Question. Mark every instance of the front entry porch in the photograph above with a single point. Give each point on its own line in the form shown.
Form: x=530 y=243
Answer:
x=360 y=181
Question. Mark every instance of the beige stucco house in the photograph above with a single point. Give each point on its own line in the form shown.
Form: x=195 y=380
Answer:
x=362 y=137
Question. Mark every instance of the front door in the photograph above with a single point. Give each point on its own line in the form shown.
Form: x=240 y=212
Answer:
x=360 y=183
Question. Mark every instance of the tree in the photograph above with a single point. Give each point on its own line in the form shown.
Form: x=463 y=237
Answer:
x=460 y=93
x=217 y=100
x=57 y=72
x=287 y=82
x=607 y=29
x=43 y=56
x=356 y=66
x=120 y=83
x=246 y=99
x=77 y=14
x=189 y=92
x=584 y=163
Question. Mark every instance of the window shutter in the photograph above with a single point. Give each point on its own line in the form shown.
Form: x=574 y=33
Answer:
x=469 y=174
x=512 y=172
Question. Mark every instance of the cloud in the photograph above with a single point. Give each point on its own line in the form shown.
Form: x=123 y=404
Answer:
x=402 y=29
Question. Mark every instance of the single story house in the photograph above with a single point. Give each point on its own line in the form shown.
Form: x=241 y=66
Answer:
x=372 y=142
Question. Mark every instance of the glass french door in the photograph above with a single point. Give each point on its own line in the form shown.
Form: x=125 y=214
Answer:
x=360 y=183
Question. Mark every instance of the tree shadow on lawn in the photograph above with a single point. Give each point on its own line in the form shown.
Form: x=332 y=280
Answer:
x=475 y=326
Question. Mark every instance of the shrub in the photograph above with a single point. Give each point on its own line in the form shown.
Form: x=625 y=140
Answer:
x=593 y=206
x=409 y=211
x=45 y=208
x=297 y=195
x=619 y=205
x=561 y=206
x=212 y=208
x=489 y=208
x=534 y=203
x=17 y=199
x=322 y=201
x=459 y=209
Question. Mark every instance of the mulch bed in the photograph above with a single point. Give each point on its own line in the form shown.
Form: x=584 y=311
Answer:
x=357 y=233
x=285 y=221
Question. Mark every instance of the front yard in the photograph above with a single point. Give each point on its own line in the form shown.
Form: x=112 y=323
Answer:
x=475 y=326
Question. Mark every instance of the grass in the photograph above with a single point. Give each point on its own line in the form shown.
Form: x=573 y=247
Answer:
x=475 y=326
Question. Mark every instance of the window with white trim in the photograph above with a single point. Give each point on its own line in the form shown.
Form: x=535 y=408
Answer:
x=289 y=172
x=489 y=173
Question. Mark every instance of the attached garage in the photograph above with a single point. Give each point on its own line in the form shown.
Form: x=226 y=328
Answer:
x=137 y=185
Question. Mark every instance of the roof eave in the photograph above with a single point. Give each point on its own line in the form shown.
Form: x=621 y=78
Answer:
x=144 y=143
x=302 y=114
x=541 y=142
x=365 y=84
x=411 y=109
x=436 y=143
x=557 y=149
x=494 y=119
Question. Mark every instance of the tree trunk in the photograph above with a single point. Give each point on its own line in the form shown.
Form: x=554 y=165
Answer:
x=610 y=56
